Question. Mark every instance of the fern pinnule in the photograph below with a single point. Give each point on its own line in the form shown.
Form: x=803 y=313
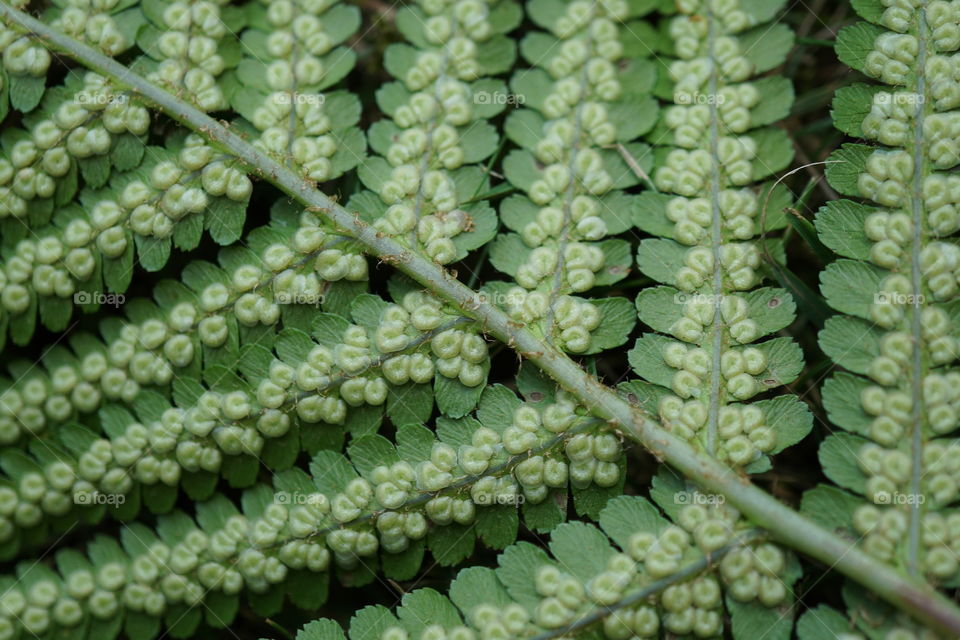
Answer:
x=427 y=172
x=585 y=102
x=896 y=288
x=188 y=45
x=293 y=51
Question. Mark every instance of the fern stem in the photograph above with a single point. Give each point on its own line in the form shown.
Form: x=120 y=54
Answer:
x=784 y=524
x=716 y=239
x=916 y=277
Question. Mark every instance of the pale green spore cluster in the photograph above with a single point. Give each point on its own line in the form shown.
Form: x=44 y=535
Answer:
x=909 y=240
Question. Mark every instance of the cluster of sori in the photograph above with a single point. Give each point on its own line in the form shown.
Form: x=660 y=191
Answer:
x=883 y=530
x=907 y=393
x=752 y=572
x=91 y=21
x=739 y=369
x=292 y=267
x=440 y=99
x=289 y=64
x=709 y=210
x=389 y=505
x=570 y=174
x=61 y=258
x=458 y=353
x=82 y=125
x=295 y=59
x=317 y=385
x=152 y=573
x=527 y=459
x=741 y=428
x=573 y=318
x=593 y=587
x=23 y=55
x=737 y=265
x=693 y=217
x=692 y=607
x=185 y=38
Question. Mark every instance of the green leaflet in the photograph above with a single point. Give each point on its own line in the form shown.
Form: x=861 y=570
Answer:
x=896 y=285
x=594 y=582
x=708 y=212
x=290 y=55
x=583 y=106
x=188 y=45
x=427 y=171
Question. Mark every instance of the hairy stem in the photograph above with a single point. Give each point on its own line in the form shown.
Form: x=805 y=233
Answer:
x=784 y=524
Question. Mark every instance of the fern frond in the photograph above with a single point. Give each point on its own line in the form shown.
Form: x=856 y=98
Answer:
x=897 y=288
x=710 y=214
x=292 y=391
x=344 y=519
x=636 y=576
x=586 y=101
x=287 y=267
x=428 y=168
x=383 y=499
